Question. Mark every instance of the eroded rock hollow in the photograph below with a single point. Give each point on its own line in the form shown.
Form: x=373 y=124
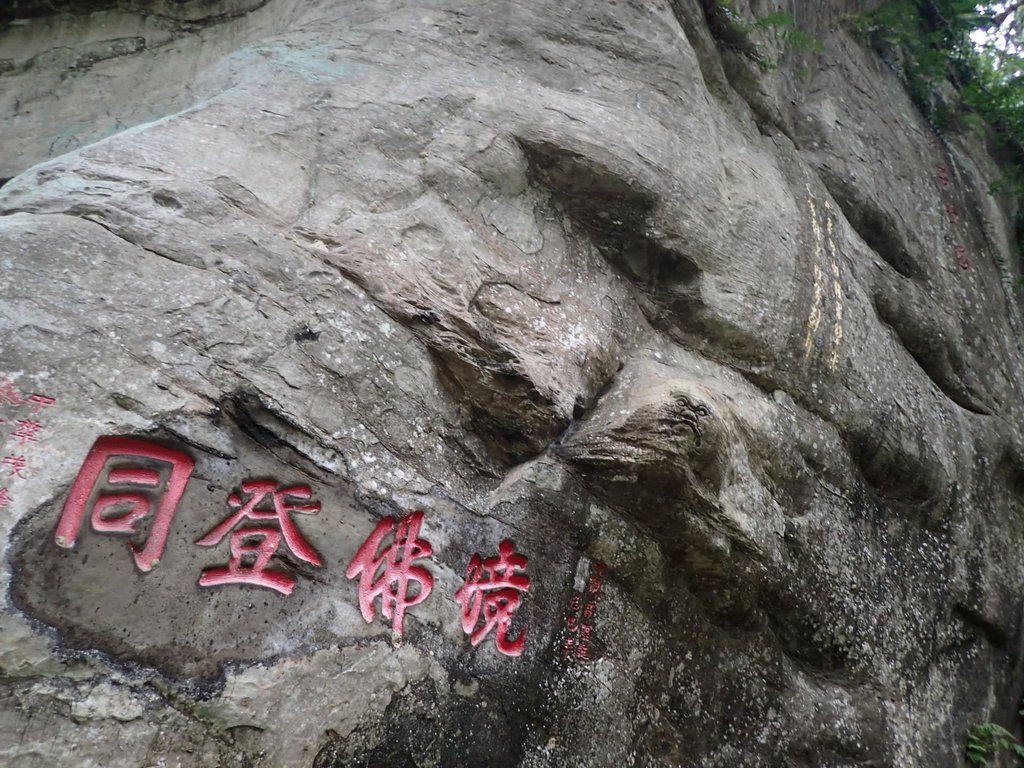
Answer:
x=497 y=384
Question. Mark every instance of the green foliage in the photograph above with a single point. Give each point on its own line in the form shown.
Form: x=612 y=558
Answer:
x=781 y=24
x=978 y=48
x=984 y=741
x=927 y=41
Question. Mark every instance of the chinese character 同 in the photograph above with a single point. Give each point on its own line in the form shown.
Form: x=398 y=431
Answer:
x=136 y=484
x=392 y=585
x=261 y=543
x=493 y=588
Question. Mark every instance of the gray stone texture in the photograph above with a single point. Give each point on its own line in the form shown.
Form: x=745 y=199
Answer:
x=621 y=281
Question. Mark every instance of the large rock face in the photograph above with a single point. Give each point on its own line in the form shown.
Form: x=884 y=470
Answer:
x=722 y=336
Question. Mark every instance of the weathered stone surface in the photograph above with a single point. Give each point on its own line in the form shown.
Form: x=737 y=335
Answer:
x=586 y=276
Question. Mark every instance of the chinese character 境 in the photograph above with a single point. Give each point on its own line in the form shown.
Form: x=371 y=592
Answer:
x=493 y=588
x=395 y=564
x=137 y=481
x=260 y=543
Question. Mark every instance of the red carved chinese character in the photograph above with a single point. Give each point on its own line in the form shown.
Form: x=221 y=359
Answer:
x=261 y=542
x=493 y=587
x=41 y=401
x=576 y=601
x=5 y=498
x=594 y=585
x=583 y=652
x=392 y=585
x=16 y=463
x=26 y=431
x=143 y=486
x=961 y=256
x=943 y=175
x=952 y=213
x=590 y=610
x=7 y=393
x=933 y=140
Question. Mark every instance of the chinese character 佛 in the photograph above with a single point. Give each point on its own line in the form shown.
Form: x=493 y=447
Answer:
x=397 y=572
x=258 y=544
x=125 y=480
x=493 y=588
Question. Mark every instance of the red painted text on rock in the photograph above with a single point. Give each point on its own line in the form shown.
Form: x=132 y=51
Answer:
x=253 y=546
x=125 y=480
x=492 y=592
x=390 y=573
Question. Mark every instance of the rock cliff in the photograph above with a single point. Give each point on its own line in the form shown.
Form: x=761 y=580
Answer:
x=719 y=334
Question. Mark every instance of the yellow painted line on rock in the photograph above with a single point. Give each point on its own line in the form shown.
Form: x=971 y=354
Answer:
x=837 y=289
x=814 y=319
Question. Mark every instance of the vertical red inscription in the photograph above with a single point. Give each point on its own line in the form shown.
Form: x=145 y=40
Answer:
x=142 y=487
x=952 y=213
x=258 y=544
x=395 y=564
x=493 y=587
x=5 y=498
x=942 y=173
x=579 y=622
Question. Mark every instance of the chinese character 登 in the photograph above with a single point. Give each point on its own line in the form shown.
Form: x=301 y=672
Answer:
x=135 y=484
x=261 y=543
x=493 y=587
x=26 y=431
x=392 y=585
x=16 y=463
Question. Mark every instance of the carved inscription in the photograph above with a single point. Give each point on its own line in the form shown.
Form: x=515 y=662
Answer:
x=578 y=636
x=390 y=573
x=492 y=591
x=261 y=542
x=25 y=432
